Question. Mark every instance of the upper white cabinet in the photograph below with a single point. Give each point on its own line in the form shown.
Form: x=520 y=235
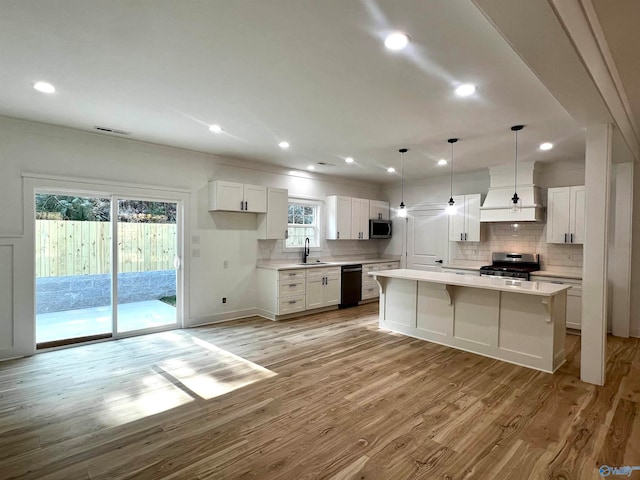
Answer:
x=379 y=210
x=565 y=215
x=464 y=225
x=359 y=219
x=237 y=197
x=273 y=224
x=338 y=217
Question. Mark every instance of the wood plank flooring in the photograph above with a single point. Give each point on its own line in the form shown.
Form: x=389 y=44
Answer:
x=323 y=396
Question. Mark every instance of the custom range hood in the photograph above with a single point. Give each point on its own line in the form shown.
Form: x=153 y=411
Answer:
x=497 y=205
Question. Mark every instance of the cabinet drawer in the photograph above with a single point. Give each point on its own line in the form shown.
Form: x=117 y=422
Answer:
x=369 y=291
x=389 y=266
x=371 y=267
x=291 y=304
x=331 y=272
x=291 y=275
x=288 y=288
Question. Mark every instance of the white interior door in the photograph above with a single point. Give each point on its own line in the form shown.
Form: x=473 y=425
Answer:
x=427 y=238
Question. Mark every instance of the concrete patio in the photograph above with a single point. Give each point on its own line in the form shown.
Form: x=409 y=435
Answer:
x=97 y=320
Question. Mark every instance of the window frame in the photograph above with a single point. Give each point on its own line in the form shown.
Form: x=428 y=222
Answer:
x=309 y=202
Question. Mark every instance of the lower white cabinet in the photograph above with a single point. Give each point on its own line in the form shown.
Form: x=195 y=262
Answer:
x=285 y=292
x=574 y=298
x=370 y=288
x=322 y=287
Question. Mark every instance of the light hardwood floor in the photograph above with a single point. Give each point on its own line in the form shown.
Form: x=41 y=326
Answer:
x=323 y=396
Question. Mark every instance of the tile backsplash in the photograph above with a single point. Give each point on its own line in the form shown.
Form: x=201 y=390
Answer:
x=271 y=250
x=521 y=238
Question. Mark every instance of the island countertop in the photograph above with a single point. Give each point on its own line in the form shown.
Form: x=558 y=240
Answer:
x=543 y=289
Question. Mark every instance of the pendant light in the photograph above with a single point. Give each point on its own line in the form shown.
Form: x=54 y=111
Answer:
x=516 y=202
x=451 y=209
x=402 y=212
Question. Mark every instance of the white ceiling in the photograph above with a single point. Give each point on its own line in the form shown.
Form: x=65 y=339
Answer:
x=313 y=73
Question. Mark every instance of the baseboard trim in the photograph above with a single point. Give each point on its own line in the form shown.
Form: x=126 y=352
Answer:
x=634 y=332
x=222 y=317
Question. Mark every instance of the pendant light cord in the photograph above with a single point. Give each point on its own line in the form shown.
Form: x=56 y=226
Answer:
x=515 y=169
x=451 y=202
x=515 y=199
x=451 y=174
x=402 y=178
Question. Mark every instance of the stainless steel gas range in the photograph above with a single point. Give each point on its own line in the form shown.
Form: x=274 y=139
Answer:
x=512 y=265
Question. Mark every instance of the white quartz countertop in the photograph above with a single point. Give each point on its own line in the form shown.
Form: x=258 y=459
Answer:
x=329 y=263
x=557 y=272
x=489 y=283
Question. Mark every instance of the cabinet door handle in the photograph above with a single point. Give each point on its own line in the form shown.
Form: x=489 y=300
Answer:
x=571 y=238
x=565 y=238
x=338 y=235
x=246 y=205
x=292 y=285
x=379 y=216
x=465 y=237
x=291 y=302
x=241 y=205
x=286 y=234
x=460 y=237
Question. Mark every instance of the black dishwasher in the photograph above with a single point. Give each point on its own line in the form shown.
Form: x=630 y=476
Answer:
x=351 y=285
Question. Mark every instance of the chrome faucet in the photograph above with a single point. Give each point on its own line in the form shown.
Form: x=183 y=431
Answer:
x=306 y=250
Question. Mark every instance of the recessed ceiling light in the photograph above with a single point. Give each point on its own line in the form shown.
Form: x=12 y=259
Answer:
x=396 y=41
x=44 y=87
x=349 y=160
x=546 y=146
x=215 y=128
x=465 y=90
x=442 y=162
x=391 y=170
x=311 y=167
x=284 y=145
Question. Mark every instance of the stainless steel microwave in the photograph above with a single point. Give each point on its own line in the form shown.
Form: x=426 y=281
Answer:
x=380 y=229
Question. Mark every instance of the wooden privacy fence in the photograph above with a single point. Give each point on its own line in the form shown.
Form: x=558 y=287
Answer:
x=84 y=248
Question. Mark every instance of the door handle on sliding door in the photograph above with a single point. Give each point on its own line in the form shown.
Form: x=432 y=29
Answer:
x=177 y=263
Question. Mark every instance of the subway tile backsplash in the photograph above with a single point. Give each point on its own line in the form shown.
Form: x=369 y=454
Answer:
x=271 y=250
x=521 y=238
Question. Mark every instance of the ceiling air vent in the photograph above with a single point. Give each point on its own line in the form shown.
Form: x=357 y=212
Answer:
x=325 y=164
x=112 y=130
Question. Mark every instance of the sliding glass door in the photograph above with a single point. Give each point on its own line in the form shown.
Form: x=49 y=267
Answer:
x=147 y=264
x=73 y=268
x=106 y=266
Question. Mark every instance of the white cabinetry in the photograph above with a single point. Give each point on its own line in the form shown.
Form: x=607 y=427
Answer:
x=322 y=287
x=379 y=210
x=237 y=197
x=338 y=217
x=574 y=298
x=348 y=218
x=464 y=225
x=565 y=215
x=359 y=219
x=370 y=288
x=273 y=224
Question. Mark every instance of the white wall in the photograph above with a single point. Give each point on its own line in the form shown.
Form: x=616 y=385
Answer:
x=27 y=147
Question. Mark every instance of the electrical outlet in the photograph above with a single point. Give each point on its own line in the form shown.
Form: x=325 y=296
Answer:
x=195 y=253
x=226 y=264
x=195 y=239
x=569 y=256
x=224 y=299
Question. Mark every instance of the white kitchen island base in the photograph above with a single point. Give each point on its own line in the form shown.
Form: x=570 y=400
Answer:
x=518 y=322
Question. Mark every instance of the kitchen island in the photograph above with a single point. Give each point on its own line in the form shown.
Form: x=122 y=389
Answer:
x=511 y=320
